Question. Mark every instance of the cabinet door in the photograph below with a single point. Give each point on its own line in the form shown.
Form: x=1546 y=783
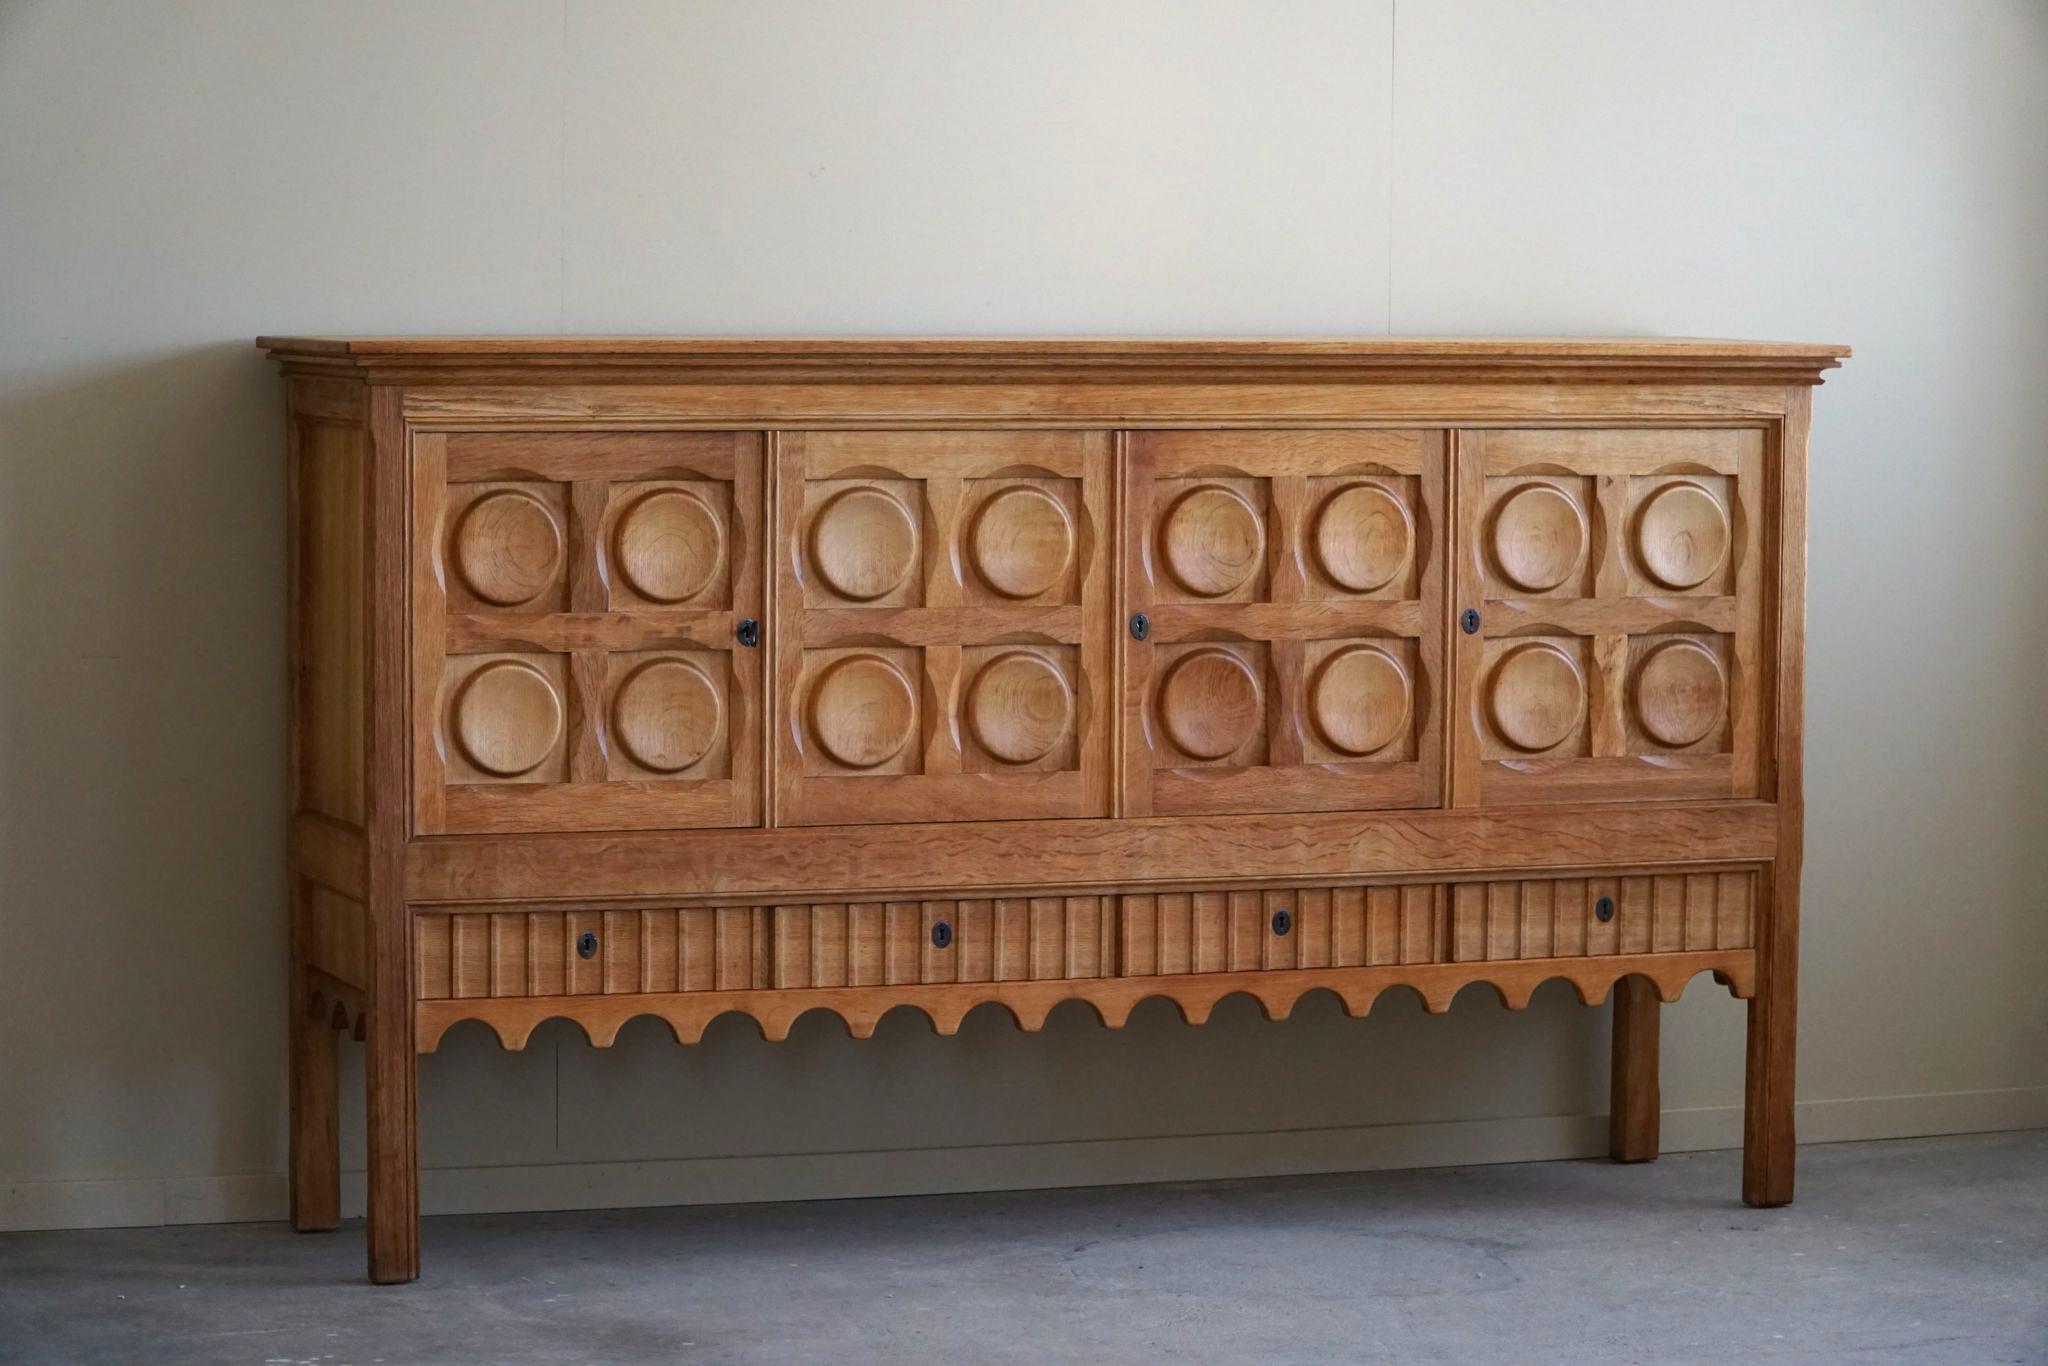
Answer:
x=1292 y=585
x=1617 y=578
x=576 y=598
x=943 y=615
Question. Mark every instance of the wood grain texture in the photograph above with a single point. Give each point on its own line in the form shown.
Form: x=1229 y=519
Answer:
x=558 y=361
x=327 y=537
x=575 y=662
x=315 y=1114
x=485 y=955
x=1617 y=580
x=1634 y=1104
x=390 y=1070
x=329 y=464
x=1769 y=1144
x=995 y=857
x=1292 y=584
x=1029 y=1001
x=534 y=772
x=942 y=630
x=1097 y=400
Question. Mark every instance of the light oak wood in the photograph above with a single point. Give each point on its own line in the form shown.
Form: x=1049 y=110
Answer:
x=1025 y=855
x=1593 y=669
x=1768 y=1142
x=329 y=460
x=477 y=954
x=315 y=1115
x=673 y=677
x=391 y=1077
x=942 y=627
x=1274 y=672
x=575 y=654
x=1193 y=996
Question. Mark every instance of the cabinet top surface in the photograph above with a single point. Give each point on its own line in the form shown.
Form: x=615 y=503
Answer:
x=1773 y=359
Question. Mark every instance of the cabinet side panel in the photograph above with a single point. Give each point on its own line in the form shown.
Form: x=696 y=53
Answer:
x=329 y=461
x=335 y=936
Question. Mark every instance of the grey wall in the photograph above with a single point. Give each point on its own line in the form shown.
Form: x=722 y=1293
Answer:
x=175 y=178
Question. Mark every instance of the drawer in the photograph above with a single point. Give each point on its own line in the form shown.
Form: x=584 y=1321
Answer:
x=925 y=942
x=1389 y=925
x=470 y=955
x=984 y=939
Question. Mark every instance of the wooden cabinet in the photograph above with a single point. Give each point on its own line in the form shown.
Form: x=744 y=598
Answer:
x=676 y=678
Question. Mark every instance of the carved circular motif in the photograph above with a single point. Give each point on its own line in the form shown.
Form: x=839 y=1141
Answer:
x=1022 y=542
x=863 y=711
x=507 y=718
x=1019 y=707
x=1359 y=700
x=1681 y=693
x=668 y=545
x=864 y=543
x=1362 y=537
x=507 y=548
x=1682 y=535
x=1211 y=540
x=1536 y=697
x=665 y=715
x=1210 y=704
x=1538 y=536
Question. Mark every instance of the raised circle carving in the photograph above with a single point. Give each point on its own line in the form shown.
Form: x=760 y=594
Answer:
x=1681 y=693
x=1362 y=537
x=1682 y=535
x=1539 y=536
x=1022 y=542
x=1211 y=540
x=507 y=718
x=668 y=545
x=1536 y=697
x=863 y=711
x=507 y=548
x=1360 y=700
x=665 y=716
x=864 y=543
x=1020 y=707
x=1210 y=704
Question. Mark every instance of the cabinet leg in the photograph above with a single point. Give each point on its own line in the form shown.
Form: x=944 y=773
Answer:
x=1768 y=1142
x=1634 y=1103
x=393 y=1132
x=315 y=1123
x=315 y=1099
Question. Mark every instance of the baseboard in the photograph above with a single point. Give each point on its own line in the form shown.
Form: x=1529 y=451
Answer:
x=1022 y=1166
x=143 y=1202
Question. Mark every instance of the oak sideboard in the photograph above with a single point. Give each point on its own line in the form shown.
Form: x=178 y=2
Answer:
x=678 y=677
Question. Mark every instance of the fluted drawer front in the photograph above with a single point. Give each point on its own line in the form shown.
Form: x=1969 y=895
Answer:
x=478 y=954
x=971 y=939
x=921 y=942
x=1573 y=917
x=577 y=953
x=1378 y=926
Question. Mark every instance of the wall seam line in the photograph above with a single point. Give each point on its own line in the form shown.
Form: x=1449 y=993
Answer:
x=1393 y=53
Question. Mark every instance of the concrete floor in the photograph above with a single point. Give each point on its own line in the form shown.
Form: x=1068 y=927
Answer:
x=1923 y=1251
